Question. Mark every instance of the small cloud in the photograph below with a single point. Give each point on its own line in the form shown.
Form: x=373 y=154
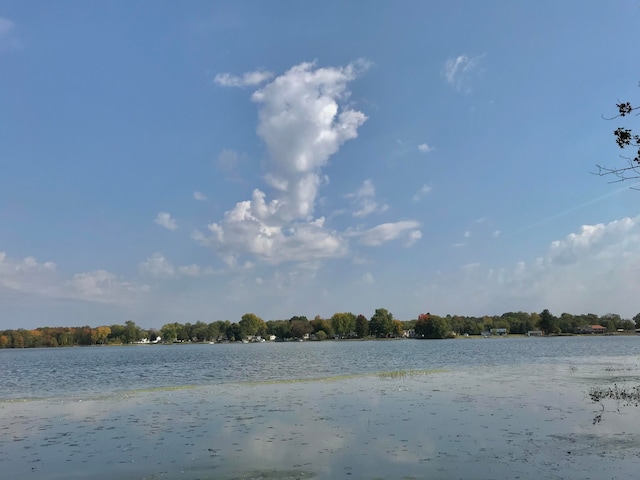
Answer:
x=367 y=278
x=426 y=189
x=201 y=197
x=365 y=201
x=190 y=270
x=413 y=238
x=164 y=220
x=248 y=79
x=157 y=265
x=467 y=234
x=496 y=233
x=457 y=71
x=387 y=232
x=471 y=266
x=424 y=148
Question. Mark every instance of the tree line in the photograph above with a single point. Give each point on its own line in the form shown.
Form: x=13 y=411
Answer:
x=341 y=325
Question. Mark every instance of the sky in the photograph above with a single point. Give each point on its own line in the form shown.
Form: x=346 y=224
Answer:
x=195 y=161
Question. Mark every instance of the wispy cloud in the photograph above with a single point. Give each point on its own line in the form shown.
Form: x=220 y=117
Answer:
x=201 y=197
x=420 y=194
x=424 y=148
x=386 y=232
x=459 y=70
x=247 y=79
x=365 y=201
x=158 y=266
x=164 y=220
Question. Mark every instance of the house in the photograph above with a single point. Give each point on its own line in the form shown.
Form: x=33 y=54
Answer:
x=592 y=329
x=498 y=331
x=534 y=333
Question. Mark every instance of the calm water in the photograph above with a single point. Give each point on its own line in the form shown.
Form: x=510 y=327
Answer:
x=83 y=372
x=495 y=408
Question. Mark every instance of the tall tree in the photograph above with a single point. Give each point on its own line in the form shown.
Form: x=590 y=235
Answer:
x=432 y=326
x=381 y=322
x=343 y=323
x=251 y=325
x=547 y=322
x=362 y=326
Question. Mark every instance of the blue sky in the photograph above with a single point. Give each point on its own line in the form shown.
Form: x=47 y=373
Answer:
x=172 y=161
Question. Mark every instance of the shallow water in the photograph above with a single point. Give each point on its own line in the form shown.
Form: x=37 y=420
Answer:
x=478 y=418
x=526 y=421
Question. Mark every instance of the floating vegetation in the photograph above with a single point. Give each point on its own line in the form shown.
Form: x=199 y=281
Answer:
x=274 y=474
x=395 y=374
x=402 y=374
x=623 y=396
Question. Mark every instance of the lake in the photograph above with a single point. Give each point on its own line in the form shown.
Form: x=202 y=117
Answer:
x=467 y=408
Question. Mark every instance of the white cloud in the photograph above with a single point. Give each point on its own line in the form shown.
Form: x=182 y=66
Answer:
x=164 y=220
x=364 y=200
x=593 y=270
x=413 y=237
x=302 y=123
x=103 y=287
x=424 y=148
x=457 y=71
x=496 y=233
x=425 y=190
x=201 y=197
x=190 y=270
x=387 y=232
x=26 y=275
x=467 y=234
x=157 y=265
x=248 y=79
x=42 y=279
x=367 y=278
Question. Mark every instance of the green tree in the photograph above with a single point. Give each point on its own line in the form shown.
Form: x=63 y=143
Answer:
x=397 y=328
x=362 y=326
x=381 y=323
x=320 y=324
x=280 y=328
x=320 y=336
x=636 y=320
x=168 y=333
x=343 y=323
x=252 y=325
x=547 y=322
x=432 y=326
x=300 y=328
x=131 y=332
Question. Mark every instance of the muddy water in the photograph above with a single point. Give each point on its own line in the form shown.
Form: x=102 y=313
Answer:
x=530 y=421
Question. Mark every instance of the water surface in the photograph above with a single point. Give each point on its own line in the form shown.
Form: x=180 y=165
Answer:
x=471 y=409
